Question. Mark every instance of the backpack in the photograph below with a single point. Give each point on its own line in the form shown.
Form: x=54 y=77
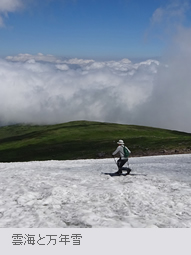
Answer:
x=125 y=152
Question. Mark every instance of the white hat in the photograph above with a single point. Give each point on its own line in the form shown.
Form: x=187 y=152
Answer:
x=120 y=142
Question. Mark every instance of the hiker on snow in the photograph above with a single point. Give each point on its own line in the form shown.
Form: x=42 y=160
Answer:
x=123 y=155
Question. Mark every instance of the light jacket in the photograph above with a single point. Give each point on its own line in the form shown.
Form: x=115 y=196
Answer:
x=120 y=151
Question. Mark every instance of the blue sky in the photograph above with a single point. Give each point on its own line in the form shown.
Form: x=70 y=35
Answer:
x=98 y=29
x=67 y=86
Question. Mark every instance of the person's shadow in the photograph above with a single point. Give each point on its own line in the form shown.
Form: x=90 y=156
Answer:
x=127 y=169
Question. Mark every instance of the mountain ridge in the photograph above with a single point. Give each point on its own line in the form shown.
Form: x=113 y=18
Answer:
x=86 y=139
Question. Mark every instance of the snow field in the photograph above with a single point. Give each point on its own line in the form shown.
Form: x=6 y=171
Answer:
x=76 y=194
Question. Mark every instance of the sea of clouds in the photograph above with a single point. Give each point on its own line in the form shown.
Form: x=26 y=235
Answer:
x=44 y=89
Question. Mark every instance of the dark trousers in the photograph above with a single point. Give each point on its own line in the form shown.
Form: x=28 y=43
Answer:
x=120 y=163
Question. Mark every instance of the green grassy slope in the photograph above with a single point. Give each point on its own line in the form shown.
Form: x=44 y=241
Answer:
x=84 y=139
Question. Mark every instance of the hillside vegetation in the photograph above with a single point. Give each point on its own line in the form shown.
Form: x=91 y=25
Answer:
x=84 y=139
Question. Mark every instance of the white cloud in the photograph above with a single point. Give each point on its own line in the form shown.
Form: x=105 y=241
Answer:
x=170 y=99
x=167 y=18
x=169 y=105
x=34 y=90
x=10 y=5
x=57 y=90
x=7 y=6
x=174 y=10
x=38 y=57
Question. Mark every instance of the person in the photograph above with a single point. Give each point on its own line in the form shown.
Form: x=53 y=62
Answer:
x=122 y=159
